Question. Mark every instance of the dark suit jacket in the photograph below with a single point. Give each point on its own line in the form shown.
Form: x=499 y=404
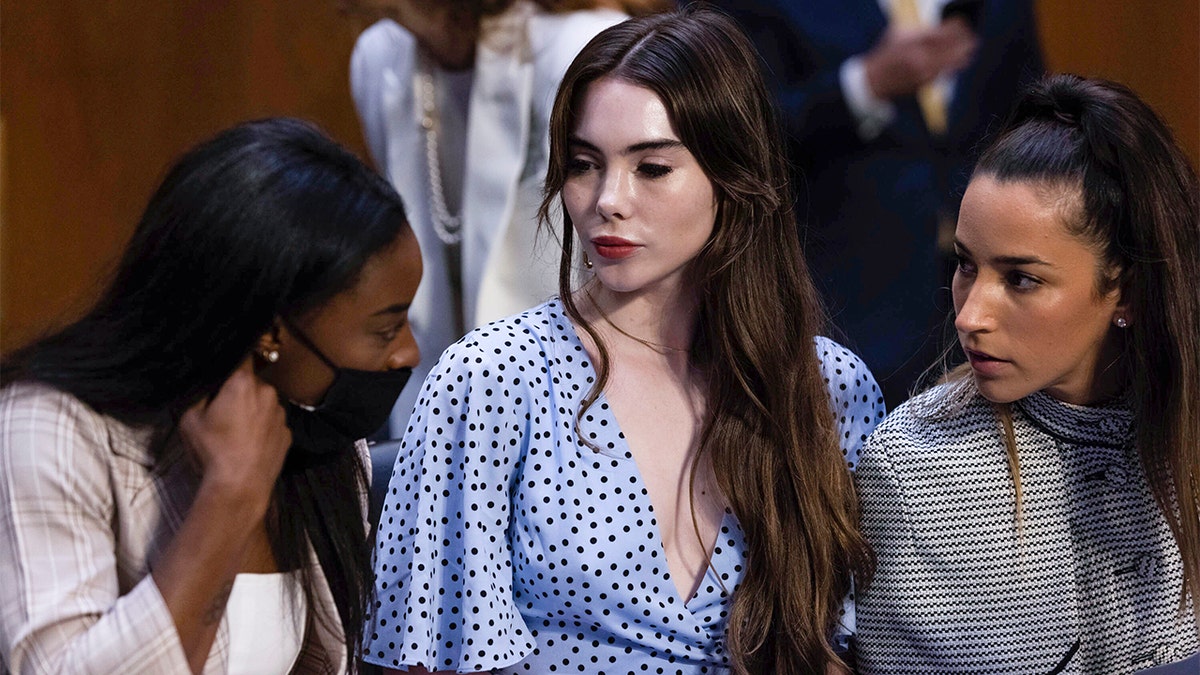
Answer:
x=869 y=209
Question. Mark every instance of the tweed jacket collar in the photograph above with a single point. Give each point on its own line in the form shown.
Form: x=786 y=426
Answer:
x=1106 y=426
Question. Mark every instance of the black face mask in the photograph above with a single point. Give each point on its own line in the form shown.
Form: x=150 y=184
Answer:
x=356 y=405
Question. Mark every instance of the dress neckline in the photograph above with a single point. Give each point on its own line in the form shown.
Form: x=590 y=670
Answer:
x=697 y=600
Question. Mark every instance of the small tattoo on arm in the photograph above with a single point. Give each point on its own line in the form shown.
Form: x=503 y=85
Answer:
x=217 y=607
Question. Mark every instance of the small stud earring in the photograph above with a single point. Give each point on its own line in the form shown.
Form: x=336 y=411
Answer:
x=1121 y=322
x=587 y=262
x=271 y=355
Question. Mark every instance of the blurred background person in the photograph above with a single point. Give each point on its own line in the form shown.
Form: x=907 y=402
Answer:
x=885 y=102
x=454 y=99
x=182 y=480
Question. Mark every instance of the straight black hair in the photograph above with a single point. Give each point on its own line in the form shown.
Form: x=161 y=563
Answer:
x=268 y=219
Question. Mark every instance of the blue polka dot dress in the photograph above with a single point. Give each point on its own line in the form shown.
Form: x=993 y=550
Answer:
x=506 y=544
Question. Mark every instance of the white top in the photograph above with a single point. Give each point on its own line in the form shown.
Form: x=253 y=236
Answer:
x=266 y=623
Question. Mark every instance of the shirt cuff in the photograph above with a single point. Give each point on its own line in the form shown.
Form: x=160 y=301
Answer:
x=870 y=112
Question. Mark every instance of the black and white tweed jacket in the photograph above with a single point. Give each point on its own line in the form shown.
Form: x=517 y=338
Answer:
x=1089 y=582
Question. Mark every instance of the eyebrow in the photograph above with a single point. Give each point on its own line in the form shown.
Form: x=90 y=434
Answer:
x=398 y=308
x=1008 y=259
x=656 y=144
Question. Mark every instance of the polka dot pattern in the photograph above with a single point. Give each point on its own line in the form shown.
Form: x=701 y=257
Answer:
x=506 y=544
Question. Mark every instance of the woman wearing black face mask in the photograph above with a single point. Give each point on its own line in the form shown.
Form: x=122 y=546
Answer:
x=181 y=484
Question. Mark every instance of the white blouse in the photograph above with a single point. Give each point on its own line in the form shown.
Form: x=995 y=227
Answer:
x=266 y=623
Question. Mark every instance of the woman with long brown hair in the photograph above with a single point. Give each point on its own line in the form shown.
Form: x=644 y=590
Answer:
x=648 y=472
x=1040 y=512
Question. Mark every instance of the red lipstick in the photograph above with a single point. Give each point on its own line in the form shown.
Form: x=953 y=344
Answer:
x=614 y=248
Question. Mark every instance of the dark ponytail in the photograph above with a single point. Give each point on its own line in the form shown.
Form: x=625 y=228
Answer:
x=1140 y=208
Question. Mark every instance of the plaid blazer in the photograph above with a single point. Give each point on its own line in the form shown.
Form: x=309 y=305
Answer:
x=84 y=513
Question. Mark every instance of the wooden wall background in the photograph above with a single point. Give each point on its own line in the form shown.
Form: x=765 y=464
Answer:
x=97 y=98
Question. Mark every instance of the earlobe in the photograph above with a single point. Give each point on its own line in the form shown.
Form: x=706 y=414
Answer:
x=268 y=345
x=1122 y=316
x=1122 y=313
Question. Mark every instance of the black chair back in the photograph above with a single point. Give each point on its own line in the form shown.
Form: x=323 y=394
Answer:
x=383 y=457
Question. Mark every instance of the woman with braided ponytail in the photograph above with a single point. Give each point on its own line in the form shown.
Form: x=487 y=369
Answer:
x=1038 y=510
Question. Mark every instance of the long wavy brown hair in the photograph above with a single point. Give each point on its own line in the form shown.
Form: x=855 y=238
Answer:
x=1139 y=208
x=770 y=438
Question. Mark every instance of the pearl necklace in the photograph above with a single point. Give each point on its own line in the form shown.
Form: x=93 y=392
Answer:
x=448 y=227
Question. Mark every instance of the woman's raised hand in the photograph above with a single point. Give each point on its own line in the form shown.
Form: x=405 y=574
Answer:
x=240 y=436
